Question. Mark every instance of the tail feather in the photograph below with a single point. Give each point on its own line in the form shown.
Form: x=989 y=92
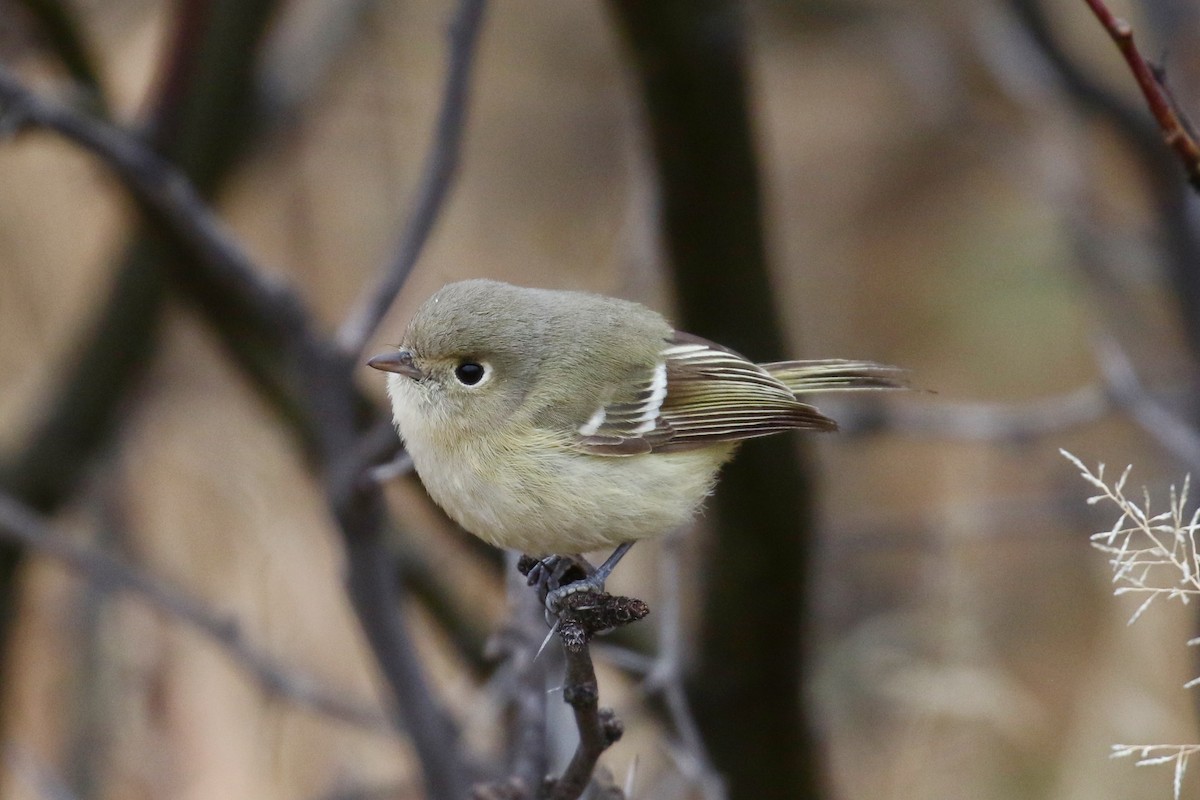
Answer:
x=836 y=375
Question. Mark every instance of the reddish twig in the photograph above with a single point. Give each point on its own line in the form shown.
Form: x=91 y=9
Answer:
x=1175 y=128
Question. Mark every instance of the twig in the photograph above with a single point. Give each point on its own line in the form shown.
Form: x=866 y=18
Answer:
x=59 y=26
x=584 y=614
x=1175 y=128
x=1179 y=235
x=167 y=195
x=1171 y=432
x=318 y=381
x=18 y=523
x=441 y=164
x=376 y=597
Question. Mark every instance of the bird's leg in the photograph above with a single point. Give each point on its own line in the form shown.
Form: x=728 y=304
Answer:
x=592 y=583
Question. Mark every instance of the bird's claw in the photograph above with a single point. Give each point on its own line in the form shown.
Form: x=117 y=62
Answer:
x=555 y=597
x=554 y=572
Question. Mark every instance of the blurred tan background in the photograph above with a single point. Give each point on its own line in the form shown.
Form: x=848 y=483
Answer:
x=927 y=185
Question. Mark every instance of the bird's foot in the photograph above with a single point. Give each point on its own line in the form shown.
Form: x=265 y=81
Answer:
x=593 y=583
x=553 y=572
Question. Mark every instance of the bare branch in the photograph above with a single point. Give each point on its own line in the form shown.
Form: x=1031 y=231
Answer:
x=226 y=282
x=1174 y=434
x=441 y=164
x=59 y=25
x=585 y=614
x=18 y=523
x=167 y=195
x=1176 y=130
x=372 y=587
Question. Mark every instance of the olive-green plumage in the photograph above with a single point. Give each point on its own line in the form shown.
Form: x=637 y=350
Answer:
x=563 y=422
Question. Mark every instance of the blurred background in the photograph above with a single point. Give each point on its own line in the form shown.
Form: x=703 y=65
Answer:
x=951 y=187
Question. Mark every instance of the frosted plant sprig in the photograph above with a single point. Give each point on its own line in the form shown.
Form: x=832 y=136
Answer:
x=1155 y=555
x=1150 y=755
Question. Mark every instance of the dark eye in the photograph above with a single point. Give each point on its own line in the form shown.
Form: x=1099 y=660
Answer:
x=469 y=373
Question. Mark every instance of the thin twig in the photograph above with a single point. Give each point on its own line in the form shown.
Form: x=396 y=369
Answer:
x=18 y=523
x=318 y=380
x=1177 y=233
x=1175 y=128
x=1171 y=432
x=441 y=164
x=584 y=614
x=165 y=193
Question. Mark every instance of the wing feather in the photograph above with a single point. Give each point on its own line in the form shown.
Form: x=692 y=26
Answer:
x=701 y=393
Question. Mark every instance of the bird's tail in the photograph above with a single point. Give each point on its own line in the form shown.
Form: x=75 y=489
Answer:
x=835 y=375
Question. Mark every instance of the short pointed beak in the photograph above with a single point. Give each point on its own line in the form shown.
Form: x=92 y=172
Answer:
x=399 y=362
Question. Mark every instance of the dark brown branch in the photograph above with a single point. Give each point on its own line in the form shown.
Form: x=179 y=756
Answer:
x=166 y=195
x=59 y=26
x=227 y=285
x=1175 y=128
x=358 y=507
x=441 y=164
x=19 y=523
x=583 y=615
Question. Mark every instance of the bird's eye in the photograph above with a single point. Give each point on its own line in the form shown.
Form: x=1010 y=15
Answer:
x=469 y=373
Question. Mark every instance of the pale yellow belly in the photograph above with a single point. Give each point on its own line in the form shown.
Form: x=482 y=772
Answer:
x=562 y=501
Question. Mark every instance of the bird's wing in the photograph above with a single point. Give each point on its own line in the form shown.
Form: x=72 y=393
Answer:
x=698 y=393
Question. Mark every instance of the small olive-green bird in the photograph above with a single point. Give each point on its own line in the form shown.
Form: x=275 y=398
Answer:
x=556 y=422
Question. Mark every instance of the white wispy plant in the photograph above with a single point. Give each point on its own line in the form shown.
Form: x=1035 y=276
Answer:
x=1155 y=556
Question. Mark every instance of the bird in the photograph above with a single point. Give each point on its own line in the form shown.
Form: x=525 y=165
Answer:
x=563 y=422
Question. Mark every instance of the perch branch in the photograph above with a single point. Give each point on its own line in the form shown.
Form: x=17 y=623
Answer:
x=585 y=614
x=441 y=164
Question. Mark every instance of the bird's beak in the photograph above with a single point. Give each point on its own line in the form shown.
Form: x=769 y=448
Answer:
x=399 y=362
